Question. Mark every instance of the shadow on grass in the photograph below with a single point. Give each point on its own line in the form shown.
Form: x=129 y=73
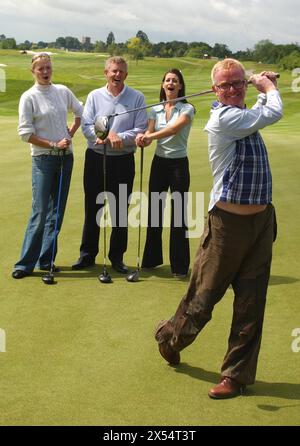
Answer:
x=282 y=280
x=289 y=391
x=272 y=408
x=162 y=272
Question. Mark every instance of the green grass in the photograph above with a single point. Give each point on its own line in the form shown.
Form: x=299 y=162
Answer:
x=82 y=353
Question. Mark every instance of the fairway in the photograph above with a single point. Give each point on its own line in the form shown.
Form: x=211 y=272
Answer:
x=83 y=353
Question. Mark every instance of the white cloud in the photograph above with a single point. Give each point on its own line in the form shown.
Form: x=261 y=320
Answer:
x=237 y=23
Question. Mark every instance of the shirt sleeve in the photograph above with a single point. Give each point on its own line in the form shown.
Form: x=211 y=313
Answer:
x=239 y=123
x=139 y=125
x=88 y=119
x=189 y=110
x=25 y=127
x=74 y=105
x=152 y=114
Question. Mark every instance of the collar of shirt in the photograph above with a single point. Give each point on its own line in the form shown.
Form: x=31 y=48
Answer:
x=178 y=106
x=119 y=95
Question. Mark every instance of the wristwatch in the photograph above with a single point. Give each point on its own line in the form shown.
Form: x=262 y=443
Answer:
x=53 y=144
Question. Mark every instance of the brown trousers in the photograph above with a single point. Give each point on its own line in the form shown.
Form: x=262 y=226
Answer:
x=234 y=250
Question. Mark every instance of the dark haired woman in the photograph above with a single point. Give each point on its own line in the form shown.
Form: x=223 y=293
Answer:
x=170 y=125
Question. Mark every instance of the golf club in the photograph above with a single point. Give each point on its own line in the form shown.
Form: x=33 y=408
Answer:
x=102 y=127
x=135 y=275
x=48 y=278
x=104 y=277
x=102 y=122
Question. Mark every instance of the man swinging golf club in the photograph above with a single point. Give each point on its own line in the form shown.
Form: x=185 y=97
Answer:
x=236 y=246
x=119 y=167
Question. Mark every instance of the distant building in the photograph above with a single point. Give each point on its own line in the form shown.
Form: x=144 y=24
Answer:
x=86 y=40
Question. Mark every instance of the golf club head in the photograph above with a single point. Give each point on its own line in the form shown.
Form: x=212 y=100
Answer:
x=133 y=276
x=101 y=127
x=48 y=278
x=105 y=277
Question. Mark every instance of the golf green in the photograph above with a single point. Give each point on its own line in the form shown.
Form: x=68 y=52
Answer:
x=83 y=353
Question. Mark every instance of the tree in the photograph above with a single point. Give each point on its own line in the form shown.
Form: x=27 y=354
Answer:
x=100 y=46
x=159 y=49
x=199 y=49
x=221 y=51
x=60 y=42
x=42 y=44
x=72 y=43
x=136 y=48
x=290 y=61
x=244 y=55
x=113 y=50
x=110 y=39
x=9 y=44
x=143 y=36
x=25 y=45
x=262 y=50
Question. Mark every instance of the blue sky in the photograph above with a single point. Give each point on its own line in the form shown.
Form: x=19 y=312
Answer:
x=237 y=23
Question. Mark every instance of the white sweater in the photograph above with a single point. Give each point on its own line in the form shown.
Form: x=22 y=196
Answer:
x=43 y=111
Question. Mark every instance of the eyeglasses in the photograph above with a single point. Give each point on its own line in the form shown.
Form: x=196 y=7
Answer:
x=237 y=85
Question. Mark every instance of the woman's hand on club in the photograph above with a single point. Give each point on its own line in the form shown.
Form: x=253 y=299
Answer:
x=143 y=140
x=64 y=143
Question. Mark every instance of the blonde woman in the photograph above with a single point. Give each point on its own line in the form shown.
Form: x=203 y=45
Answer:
x=43 y=113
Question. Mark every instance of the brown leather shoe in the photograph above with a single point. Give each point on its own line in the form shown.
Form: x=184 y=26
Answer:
x=227 y=388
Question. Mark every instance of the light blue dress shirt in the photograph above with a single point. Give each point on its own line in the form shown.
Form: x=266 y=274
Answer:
x=174 y=146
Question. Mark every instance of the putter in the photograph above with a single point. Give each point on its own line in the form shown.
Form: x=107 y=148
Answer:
x=135 y=275
x=104 y=277
x=48 y=278
x=102 y=122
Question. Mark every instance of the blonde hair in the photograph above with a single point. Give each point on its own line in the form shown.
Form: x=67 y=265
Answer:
x=37 y=57
x=117 y=60
x=226 y=64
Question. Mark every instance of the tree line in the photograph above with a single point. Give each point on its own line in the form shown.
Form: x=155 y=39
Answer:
x=139 y=46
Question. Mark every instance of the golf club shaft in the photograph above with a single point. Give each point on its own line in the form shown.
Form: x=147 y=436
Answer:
x=171 y=100
x=140 y=216
x=57 y=210
x=160 y=103
x=104 y=207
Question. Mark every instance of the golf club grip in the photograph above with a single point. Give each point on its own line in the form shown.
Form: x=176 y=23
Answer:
x=277 y=75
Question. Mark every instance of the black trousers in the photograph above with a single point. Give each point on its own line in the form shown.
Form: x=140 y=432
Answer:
x=120 y=170
x=174 y=174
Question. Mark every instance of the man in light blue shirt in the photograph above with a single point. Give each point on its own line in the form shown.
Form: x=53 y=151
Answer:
x=236 y=246
x=115 y=97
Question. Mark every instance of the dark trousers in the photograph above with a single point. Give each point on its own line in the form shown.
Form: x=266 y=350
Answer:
x=234 y=250
x=174 y=174
x=120 y=170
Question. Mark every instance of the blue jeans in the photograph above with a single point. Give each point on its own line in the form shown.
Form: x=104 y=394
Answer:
x=39 y=236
